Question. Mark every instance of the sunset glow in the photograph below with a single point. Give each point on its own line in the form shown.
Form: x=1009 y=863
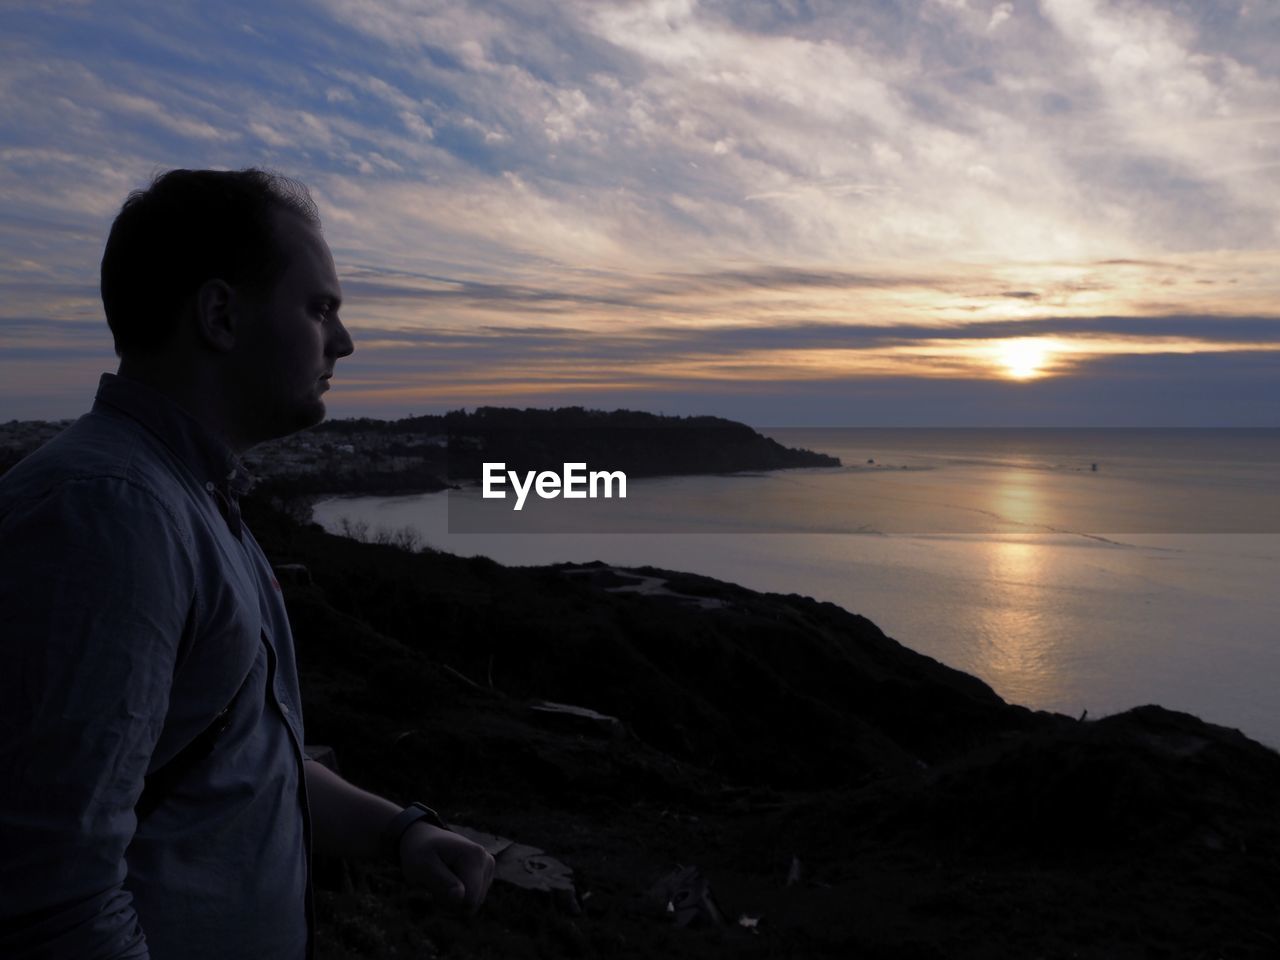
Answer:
x=1023 y=359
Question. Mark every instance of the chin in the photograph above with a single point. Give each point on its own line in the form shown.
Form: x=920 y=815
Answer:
x=314 y=413
x=304 y=415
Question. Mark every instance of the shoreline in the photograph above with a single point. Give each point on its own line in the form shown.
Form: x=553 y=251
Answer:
x=1095 y=651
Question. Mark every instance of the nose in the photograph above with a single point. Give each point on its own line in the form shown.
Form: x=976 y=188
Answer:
x=339 y=344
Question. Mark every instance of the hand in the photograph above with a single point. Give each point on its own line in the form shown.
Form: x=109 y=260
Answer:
x=446 y=864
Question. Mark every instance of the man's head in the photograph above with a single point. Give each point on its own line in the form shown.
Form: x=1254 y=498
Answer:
x=188 y=227
x=224 y=279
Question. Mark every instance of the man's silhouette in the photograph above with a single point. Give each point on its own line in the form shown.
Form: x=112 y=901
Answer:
x=154 y=797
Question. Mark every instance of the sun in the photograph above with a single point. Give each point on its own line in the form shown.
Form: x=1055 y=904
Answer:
x=1023 y=358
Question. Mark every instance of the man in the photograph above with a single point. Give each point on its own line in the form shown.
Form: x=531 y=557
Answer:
x=154 y=799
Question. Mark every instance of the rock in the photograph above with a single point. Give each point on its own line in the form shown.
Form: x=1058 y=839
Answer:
x=684 y=895
x=579 y=719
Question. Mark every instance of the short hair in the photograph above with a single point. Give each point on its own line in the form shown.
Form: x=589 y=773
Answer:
x=188 y=227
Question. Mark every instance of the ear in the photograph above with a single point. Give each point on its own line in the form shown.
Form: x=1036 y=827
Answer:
x=216 y=315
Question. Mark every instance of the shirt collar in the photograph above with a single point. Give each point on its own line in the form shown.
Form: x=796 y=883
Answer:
x=210 y=460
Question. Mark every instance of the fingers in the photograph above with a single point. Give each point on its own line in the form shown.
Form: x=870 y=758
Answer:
x=480 y=889
x=473 y=865
x=448 y=865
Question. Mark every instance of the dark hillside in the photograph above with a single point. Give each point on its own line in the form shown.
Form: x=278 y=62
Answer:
x=842 y=795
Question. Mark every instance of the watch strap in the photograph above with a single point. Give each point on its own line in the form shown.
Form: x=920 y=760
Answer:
x=394 y=831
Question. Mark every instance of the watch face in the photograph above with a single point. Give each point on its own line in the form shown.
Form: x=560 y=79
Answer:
x=428 y=814
x=402 y=821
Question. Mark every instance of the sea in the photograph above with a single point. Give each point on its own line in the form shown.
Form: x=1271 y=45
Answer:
x=1072 y=570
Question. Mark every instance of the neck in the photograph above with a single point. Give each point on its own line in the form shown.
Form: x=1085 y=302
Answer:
x=192 y=390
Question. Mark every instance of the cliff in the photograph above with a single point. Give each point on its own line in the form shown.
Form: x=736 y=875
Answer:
x=839 y=794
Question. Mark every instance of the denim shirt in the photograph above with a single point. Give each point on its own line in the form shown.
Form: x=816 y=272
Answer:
x=133 y=607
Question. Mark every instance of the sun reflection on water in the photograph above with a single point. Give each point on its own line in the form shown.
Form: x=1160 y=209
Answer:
x=1016 y=650
x=1017 y=499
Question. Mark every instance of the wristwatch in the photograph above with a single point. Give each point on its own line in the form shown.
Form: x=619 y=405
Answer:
x=395 y=830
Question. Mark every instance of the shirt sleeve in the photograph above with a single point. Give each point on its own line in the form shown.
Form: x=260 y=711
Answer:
x=96 y=589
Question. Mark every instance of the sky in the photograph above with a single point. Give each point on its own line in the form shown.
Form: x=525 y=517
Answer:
x=792 y=213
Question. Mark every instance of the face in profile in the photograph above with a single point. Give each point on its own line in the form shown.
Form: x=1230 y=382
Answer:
x=289 y=339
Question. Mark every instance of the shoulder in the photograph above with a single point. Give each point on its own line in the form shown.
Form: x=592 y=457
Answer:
x=99 y=463
x=89 y=524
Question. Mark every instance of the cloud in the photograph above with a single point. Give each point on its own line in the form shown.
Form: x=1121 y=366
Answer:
x=696 y=173
x=647 y=342
x=1159 y=390
x=153 y=110
x=655 y=130
x=543 y=363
